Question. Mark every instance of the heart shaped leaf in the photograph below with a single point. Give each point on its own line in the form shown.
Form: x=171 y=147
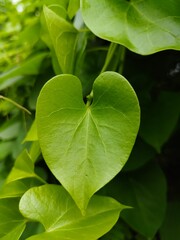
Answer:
x=86 y=146
x=62 y=219
x=144 y=27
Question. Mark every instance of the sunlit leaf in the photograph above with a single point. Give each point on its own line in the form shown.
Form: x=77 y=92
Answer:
x=63 y=36
x=23 y=168
x=11 y=221
x=61 y=217
x=144 y=27
x=32 y=133
x=86 y=146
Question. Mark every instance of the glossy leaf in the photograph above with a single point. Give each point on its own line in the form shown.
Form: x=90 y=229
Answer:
x=11 y=221
x=18 y=188
x=63 y=36
x=61 y=217
x=15 y=233
x=144 y=27
x=86 y=146
x=145 y=191
x=23 y=168
x=32 y=133
x=35 y=151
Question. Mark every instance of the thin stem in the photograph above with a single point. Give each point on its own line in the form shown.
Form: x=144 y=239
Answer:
x=109 y=56
x=15 y=104
x=89 y=99
x=40 y=179
x=122 y=58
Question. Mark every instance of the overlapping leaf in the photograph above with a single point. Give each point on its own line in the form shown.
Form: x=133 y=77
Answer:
x=86 y=146
x=12 y=222
x=61 y=217
x=144 y=27
x=63 y=36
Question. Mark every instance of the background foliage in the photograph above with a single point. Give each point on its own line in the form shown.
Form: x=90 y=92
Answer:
x=42 y=39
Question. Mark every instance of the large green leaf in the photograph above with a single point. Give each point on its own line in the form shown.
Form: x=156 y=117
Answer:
x=144 y=27
x=12 y=223
x=145 y=191
x=63 y=36
x=54 y=208
x=86 y=146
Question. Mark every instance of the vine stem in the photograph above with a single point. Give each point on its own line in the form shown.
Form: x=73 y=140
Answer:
x=109 y=56
x=15 y=104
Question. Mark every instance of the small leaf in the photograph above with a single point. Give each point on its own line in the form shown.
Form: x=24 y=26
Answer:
x=85 y=147
x=17 y=188
x=63 y=36
x=144 y=27
x=53 y=207
x=11 y=221
x=32 y=133
x=23 y=168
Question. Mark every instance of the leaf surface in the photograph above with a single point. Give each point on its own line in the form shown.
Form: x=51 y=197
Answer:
x=11 y=221
x=144 y=27
x=85 y=147
x=23 y=168
x=54 y=208
x=63 y=36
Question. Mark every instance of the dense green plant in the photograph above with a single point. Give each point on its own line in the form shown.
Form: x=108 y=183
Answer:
x=76 y=162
